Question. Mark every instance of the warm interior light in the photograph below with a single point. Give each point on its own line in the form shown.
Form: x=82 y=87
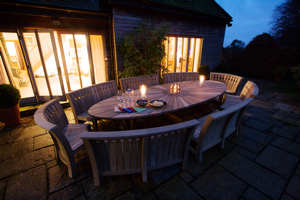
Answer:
x=201 y=78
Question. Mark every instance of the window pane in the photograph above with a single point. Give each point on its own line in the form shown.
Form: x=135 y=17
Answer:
x=184 y=54
x=50 y=62
x=98 y=57
x=3 y=76
x=197 y=55
x=179 y=54
x=191 y=54
x=17 y=66
x=83 y=60
x=171 y=54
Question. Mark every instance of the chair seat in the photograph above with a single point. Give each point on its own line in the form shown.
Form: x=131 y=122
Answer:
x=231 y=100
x=73 y=134
x=85 y=117
x=229 y=92
x=201 y=123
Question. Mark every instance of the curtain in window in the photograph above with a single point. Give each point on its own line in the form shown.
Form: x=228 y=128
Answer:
x=98 y=57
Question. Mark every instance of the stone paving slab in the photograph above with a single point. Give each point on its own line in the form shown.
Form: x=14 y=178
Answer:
x=283 y=106
x=293 y=129
x=149 y=196
x=175 y=189
x=279 y=161
x=42 y=141
x=209 y=157
x=266 y=118
x=293 y=187
x=286 y=116
x=2 y=188
x=297 y=172
x=287 y=145
x=24 y=133
x=218 y=183
x=245 y=153
x=70 y=192
x=59 y=177
x=111 y=186
x=27 y=161
x=187 y=177
x=261 y=126
x=253 y=194
x=15 y=149
x=283 y=133
x=257 y=176
x=259 y=137
x=286 y=197
x=30 y=184
x=246 y=143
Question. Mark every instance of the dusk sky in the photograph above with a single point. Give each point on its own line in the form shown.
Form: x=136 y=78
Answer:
x=250 y=18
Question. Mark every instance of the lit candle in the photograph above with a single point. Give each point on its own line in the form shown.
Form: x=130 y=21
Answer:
x=201 y=78
x=175 y=89
x=143 y=91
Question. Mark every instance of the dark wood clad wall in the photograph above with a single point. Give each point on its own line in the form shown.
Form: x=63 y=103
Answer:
x=126 y=19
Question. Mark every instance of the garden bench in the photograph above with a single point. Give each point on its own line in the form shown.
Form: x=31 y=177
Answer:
x=135 y=82
x=232 y=81
x=215 y=127
x=249 y=90
x=66 y=137
x=178 y=77
x=81 y=100
x=138 y=151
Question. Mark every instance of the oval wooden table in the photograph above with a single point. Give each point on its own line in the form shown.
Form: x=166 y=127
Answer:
x=190 y=95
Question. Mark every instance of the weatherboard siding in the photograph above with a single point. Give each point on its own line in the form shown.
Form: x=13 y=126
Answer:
x=126 y=20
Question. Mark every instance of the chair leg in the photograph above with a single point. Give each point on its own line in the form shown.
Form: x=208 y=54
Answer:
x=97 y=180
x=72 y=170
x=144 y=174
x=199 y=156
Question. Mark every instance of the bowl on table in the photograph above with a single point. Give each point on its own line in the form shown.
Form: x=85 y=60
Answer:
x=157 y=103
x=142 y=102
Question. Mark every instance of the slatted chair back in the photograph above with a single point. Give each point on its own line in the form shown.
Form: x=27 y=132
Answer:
x=250 y=90
x=232 y=81
x=234 y=123
x=51 y=117
x=213 y=130
x=135 y=82
x=81 y=100
x=181 y=76
x=105 y=90
x=126 y=152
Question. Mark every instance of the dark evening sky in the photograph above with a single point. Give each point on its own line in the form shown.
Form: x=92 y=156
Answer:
x=250 y=18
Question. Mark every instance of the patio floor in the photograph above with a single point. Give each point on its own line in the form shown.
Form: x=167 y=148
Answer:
x=261 y=163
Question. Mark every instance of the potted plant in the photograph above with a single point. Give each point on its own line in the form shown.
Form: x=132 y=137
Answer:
x=204 y=70
x=9 y=105
x=279 y=73
x=296 y=74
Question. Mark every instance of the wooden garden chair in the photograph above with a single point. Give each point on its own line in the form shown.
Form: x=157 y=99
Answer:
x=66 y=137
x=138 y=151
x=81 y=100
x=250 y=90
x=135 y=82
x=232 y=81
x=180 y=76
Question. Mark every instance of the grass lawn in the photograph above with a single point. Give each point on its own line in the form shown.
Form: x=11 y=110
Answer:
x=288 y=87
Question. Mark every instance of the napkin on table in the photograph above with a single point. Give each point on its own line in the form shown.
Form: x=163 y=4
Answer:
x=139 y=109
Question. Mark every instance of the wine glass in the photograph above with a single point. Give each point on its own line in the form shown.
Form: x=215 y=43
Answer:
x=119 y=93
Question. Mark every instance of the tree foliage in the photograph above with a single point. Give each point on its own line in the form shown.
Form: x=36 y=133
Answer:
x=286 y=23
x=260 y=57
x=144 y=49
x=230 y=55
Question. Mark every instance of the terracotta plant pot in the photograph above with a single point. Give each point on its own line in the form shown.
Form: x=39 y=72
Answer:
x=10 y=116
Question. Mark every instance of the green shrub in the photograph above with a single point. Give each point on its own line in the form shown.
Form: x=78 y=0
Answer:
x=296 y=73
x=280 y=71
x=9 y=96
x=204 y=70
x=144 y=49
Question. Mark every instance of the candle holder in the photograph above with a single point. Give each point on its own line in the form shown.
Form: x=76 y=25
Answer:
x=174 y=89
x=201 y=80
x=143 y=90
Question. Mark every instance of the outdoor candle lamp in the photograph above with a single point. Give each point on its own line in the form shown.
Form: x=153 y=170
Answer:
x=143 y=89
x=174 y=89
x=201 y=80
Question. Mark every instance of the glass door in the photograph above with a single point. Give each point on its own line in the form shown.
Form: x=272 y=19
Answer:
x=40 y=51
x=76 y=60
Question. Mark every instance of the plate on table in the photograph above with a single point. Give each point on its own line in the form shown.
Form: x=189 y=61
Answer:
x=142 y=102
x=158 y=103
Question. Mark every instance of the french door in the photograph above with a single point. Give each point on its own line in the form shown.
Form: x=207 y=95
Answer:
x=46 y=64
x=43 y=64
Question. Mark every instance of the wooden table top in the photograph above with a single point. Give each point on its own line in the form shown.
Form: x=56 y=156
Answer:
x=190 y=95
